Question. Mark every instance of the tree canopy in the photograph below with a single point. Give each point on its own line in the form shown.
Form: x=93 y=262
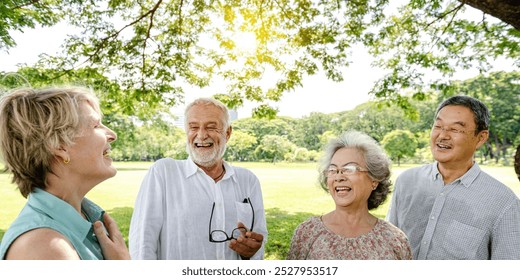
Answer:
x=262 y=49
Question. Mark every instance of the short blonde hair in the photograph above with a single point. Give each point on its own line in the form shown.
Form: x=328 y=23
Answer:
x=33 y=123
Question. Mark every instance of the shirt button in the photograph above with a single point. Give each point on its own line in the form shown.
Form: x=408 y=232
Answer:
x=433 y=218
x=442 y=194
x=424 y=242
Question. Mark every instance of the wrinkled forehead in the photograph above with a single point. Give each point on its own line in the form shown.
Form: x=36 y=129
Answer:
x=205 y=114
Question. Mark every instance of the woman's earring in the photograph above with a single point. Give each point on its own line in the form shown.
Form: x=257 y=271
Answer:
x=66 y=161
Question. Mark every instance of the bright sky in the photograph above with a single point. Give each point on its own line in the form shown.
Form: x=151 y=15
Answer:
x=317 y=94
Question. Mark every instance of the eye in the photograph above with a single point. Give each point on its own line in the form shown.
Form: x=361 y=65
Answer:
x=331 y=172
x=349 y=169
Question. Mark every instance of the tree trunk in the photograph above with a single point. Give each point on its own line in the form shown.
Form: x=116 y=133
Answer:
x=506 y=10
x=517 y=162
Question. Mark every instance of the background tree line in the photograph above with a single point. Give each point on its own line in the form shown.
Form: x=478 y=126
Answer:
x=404 y=135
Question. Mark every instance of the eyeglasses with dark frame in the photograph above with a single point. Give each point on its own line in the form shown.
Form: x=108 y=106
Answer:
x=219 y=236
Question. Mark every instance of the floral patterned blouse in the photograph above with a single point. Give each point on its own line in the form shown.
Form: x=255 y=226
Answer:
x=313 y=241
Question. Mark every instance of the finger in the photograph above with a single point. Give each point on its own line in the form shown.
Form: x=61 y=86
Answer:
x=112 y=228
x=240 y=224
x=255 y=235
x=100 y=233
x=250 y=243
x=246 y=250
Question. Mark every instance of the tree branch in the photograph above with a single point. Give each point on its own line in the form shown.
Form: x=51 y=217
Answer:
x=104 y=41
x=32 y=2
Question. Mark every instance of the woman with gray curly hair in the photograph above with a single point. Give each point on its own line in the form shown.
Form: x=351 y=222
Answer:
x=356 y=172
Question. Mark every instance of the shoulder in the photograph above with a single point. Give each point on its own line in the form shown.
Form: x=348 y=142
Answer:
x=243 y=175
x=390 y=231
x=310 y=224
x=43 y=244
x=167 y=166
x=494 y=189
x=167 y=162
x=414 y=175
x=417 y=171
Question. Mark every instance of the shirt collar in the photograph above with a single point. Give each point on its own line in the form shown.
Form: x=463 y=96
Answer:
x=466 y=180
x=192 y=168
x=64 y=213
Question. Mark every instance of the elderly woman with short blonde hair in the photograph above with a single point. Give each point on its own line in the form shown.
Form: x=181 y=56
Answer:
x=57 y=149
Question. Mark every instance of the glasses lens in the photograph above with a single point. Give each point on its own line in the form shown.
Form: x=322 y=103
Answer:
x=331 y=172
x=349 y=169
x=238 y=232
x=219 y=236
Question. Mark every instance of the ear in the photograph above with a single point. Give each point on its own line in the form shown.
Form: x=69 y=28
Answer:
x=482 y=137
x=228 y=133
x=61 y=154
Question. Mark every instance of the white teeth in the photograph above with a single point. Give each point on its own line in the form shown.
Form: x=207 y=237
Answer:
x=203 y=144
x=338 y=189
x=106 y=153
x=443 y=146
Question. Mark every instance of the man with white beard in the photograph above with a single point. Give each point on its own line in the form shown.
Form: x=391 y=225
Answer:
x=200 y=208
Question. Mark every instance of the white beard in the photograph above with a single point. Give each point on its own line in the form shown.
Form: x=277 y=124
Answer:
x=208 y=158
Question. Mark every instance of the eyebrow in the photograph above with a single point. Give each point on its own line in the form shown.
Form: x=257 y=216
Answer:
x=461 y=123
x=348 y=163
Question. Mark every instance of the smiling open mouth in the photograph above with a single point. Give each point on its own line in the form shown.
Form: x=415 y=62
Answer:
x=203 y=145
x=443 y=146
x=343 y=189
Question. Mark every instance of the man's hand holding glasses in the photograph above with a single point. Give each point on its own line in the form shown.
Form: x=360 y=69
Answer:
x=244 y=241
x=247 y=244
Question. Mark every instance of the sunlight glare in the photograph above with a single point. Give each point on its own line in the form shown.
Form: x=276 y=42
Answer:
x=245 y=42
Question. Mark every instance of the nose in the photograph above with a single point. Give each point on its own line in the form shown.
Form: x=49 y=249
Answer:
x=202 y=133
x=111 y=135
x=444 y=133
x=340 y=177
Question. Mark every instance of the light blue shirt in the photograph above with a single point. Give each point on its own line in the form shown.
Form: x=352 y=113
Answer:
x=44 y=210
x=474 y=217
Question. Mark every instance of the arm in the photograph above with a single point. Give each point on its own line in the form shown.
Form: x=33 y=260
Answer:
x=295 y=250
x=505 y=241
x=391 y=215
x=147 y=218
x=57 y=247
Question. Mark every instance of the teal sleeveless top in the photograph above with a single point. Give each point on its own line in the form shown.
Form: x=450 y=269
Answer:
x=44 y=210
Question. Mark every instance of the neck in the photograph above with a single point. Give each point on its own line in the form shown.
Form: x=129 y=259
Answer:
x=349 y=224
x=451 y=172
x=67 y=189
x=216 y=172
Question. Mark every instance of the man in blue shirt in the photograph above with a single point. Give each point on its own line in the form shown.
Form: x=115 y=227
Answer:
x=451 y=209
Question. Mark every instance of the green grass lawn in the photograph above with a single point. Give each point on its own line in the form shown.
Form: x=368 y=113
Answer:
x=290 y=191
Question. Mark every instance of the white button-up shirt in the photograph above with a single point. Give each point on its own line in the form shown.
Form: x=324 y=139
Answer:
x=173 y=209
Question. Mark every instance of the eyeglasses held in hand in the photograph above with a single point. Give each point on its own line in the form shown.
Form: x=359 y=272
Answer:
x=218 y=236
